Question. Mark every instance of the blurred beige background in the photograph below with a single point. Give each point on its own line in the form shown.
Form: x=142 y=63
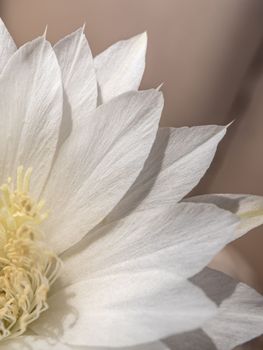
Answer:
x=209 y=54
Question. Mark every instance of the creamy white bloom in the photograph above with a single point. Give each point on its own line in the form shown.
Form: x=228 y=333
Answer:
x=75 y=132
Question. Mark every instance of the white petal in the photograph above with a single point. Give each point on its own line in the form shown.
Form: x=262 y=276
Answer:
x=25 y=342
x=158 y=345
x=125 y=309
x=150 y=346
x=249 y=208
x=7 y=45
x=121 y=66
x=181 y=239
x=88 y=181
x=178 y=160
x=79 y=78
x=239 y=319
x=30 y=110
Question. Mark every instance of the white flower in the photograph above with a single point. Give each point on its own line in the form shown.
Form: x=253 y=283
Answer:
x=76 y=132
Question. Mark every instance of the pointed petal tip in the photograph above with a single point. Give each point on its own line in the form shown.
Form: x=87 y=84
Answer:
x=140 y=38
x=83 y=27
x=45 y=32
x=158 y=94
x=42 y=40
x=2 y=23
x=80 y=31
x=232 y=122
x=76 y=33
x=154 y=93
x=143 y=37
x=160 y=86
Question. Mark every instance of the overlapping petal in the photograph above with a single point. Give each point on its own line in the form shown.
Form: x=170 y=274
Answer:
x=79 y=78
x=239 y=319
x=181 y=239
x=239 y=316
x=248 y=208
x=7 y=45
x=108 y=172
x=34 y=342
x=30 y=111
x=86 y=183
x=124 y=309
x=38 y=342
x=178 y=160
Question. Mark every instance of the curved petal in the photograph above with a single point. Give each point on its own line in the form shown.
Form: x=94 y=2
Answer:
x=125 y=309
x=30 y=111
x=35 y=342
x=178 y=160
x=181 y=239
x=31 y=342
x=151 y=346
x=78 y=75
x=120 y=67
x=249 y=208
x=158 y=345
x=239 y=319
x=88 y=181
x=7 y=45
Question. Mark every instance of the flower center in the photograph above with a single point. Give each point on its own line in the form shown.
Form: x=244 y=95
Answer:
x=27 y=267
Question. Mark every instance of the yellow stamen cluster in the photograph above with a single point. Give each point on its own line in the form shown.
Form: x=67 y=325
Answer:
x=27 y=267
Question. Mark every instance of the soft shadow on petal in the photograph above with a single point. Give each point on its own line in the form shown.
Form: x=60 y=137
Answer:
x=78 y=75
x=239 y=316
x=124 y=309
x=248 y=207
x=181 y=239
x=178 y=160
x=30 y=111
x=215 y=284
x=239 y=319
x=90 y=179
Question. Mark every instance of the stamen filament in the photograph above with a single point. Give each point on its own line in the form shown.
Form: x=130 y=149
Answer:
x=27 y=267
